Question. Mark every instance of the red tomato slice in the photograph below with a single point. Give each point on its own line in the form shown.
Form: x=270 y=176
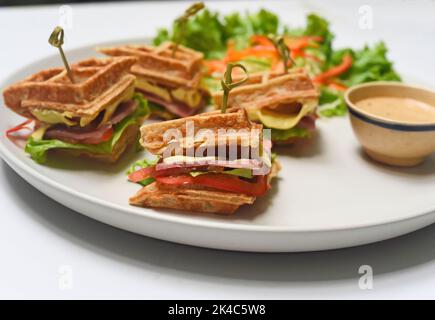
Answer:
x=100 y=137
x=141 y=174
x=220 y=182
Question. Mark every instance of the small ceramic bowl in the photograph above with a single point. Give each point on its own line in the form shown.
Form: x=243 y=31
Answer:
x=397 y=143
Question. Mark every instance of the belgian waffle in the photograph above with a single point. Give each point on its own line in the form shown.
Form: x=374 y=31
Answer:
x=271 y=90
x=158 y=65
x=152 y=135
x=97 y=84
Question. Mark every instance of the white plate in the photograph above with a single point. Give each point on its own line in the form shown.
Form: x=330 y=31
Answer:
x=329 y=195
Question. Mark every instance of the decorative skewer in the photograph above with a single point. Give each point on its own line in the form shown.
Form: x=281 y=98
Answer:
x=282 y=49
x=56 y=40
x=181 y=22
x=228 y=85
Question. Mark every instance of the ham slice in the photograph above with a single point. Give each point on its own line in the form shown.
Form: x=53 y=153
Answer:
x=308 y=122
x=89 y=137
x=92 y=134
x=123 y=111
x=179 y=109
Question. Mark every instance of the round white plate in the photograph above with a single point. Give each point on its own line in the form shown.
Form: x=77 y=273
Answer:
x=329 y=195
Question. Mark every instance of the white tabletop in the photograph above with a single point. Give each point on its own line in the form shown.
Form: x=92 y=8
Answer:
x=49 y=251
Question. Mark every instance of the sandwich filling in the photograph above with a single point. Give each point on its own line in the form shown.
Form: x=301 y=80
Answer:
x=284 y=103
x=98 y=137
x=287 y=121
x=170 y=82
x=240 y=176
x=181 y=102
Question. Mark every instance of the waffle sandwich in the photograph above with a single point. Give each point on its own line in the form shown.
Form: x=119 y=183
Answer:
x=216 y=174
x=171 y=83
x=285 y=103
x=96 y=116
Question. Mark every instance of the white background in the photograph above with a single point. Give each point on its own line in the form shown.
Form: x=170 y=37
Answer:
x=40 y=238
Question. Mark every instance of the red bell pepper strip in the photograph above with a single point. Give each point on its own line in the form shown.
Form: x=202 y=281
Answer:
x=335 y=71
x=21 y=126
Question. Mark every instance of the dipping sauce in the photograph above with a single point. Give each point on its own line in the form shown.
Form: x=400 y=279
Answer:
x=398 y=109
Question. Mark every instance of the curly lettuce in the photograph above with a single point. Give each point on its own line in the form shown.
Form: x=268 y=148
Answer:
x=209 y=32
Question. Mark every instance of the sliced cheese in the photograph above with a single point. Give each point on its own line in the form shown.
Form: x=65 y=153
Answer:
x=53 y=117
x=154 y=89
x=189 y=96
x=38 y=134
x=281 y=121
x=111 y=108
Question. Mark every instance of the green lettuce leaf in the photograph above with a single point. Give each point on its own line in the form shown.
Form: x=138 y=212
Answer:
x=204 y=33
x=290 y=133
x=318 y=26
x=37 y=149
x=209 y=32
x=331 y=103
x=369 y=64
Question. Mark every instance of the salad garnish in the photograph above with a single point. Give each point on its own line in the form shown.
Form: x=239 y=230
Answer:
x=242 y=38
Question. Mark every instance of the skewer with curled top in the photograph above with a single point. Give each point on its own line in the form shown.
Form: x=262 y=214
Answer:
x=227 y=82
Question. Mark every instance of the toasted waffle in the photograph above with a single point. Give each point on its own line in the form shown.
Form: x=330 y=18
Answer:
x=270 y=91
x=158 y=65
x=98 y=83
x=152 y=135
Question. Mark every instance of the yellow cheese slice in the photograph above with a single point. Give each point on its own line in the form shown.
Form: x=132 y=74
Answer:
x=53 y=117
x=156 y=90
x=38 y=134
x=190 y=96
x=281 y=121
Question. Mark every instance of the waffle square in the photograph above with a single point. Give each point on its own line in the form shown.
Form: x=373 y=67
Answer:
x=97 y=84
x=271 y=89
x=158 y=65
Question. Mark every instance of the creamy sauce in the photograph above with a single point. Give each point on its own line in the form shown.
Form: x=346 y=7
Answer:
x=398 y=109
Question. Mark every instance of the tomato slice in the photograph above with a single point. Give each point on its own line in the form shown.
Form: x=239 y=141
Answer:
x=99 y=137
x=141 y=174
x=220 y=182
x=151 y=172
